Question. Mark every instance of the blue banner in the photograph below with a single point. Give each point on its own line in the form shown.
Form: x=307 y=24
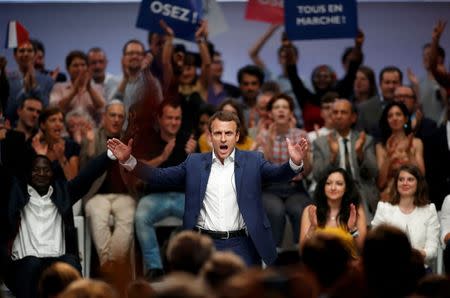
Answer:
x=320 y=19
x=183 y=16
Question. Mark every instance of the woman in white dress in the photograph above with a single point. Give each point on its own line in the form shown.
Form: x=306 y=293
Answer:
x=408 y=208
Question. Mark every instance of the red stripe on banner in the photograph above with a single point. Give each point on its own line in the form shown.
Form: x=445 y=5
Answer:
x=265 y=11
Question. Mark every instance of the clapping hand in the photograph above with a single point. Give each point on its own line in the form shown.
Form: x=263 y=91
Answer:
x=359 y=145
x=351 y=223
x=312 y=215
x=121 y=151
x=297 y=151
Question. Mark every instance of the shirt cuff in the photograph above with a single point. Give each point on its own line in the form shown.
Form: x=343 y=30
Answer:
x=110 y=155
x=294 y=167
x=130 y=164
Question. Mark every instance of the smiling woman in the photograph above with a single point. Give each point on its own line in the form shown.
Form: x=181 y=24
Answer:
x=409 y=210
x=62 y=152
x=337 y=212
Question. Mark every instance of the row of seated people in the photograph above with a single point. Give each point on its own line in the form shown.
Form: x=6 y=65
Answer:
x=170 y=148
x=328 y=268
x=378 y=166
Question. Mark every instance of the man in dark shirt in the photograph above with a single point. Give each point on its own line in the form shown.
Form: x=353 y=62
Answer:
x=170 y=147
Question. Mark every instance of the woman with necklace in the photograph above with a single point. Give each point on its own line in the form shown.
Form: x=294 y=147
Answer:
x=337 y=211
x=398 y=146
x=410 y=210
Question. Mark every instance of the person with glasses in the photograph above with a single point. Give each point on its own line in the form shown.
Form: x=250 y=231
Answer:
x=421 y=124
x=26 y=81
x=132 y=63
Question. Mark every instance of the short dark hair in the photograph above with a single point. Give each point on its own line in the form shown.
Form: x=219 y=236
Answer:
x=279 y=96
x=226 y=117
x=75 y=54
x=329 y=97
x=421 y=195
x=252 y=70
x=38 y=45
x=22 y=102
x=391 y=68
x=168 y=103
x=124 y=49
x=48 y=112
x=95 y=50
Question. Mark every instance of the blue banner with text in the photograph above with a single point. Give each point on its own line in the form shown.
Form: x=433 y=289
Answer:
x=320 y=19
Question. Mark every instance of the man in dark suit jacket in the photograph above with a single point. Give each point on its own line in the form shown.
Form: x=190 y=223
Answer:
x=223 y=188
x=437 y=160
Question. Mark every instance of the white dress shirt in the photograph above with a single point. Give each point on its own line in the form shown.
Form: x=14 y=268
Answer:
x=41 y=231
x=220 y=210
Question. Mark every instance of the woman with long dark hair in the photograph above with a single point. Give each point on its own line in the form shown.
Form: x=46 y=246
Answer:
x=337 y=211
x=398 y=146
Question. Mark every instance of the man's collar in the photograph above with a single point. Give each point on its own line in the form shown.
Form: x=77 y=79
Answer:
x=33 y=192
x=230 y=158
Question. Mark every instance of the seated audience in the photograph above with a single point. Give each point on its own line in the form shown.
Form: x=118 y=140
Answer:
x=337 y=211
x=109 y=198
x=351 y=150
x=79 y=92
x=38 y=222
x=370 y=111
x=170 y=147
x=78 y=124
x=26 y=81
x=97 y=63
x=324 y=79
x=290 y=197
x=63 y=152
x=422 y=126
x=398 y=146
x=408 y=209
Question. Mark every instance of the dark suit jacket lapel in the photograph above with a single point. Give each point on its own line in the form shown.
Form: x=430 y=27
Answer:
x=205 y=170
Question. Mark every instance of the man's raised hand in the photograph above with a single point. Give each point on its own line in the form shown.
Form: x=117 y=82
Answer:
x=297 y=151
x=121 y=151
